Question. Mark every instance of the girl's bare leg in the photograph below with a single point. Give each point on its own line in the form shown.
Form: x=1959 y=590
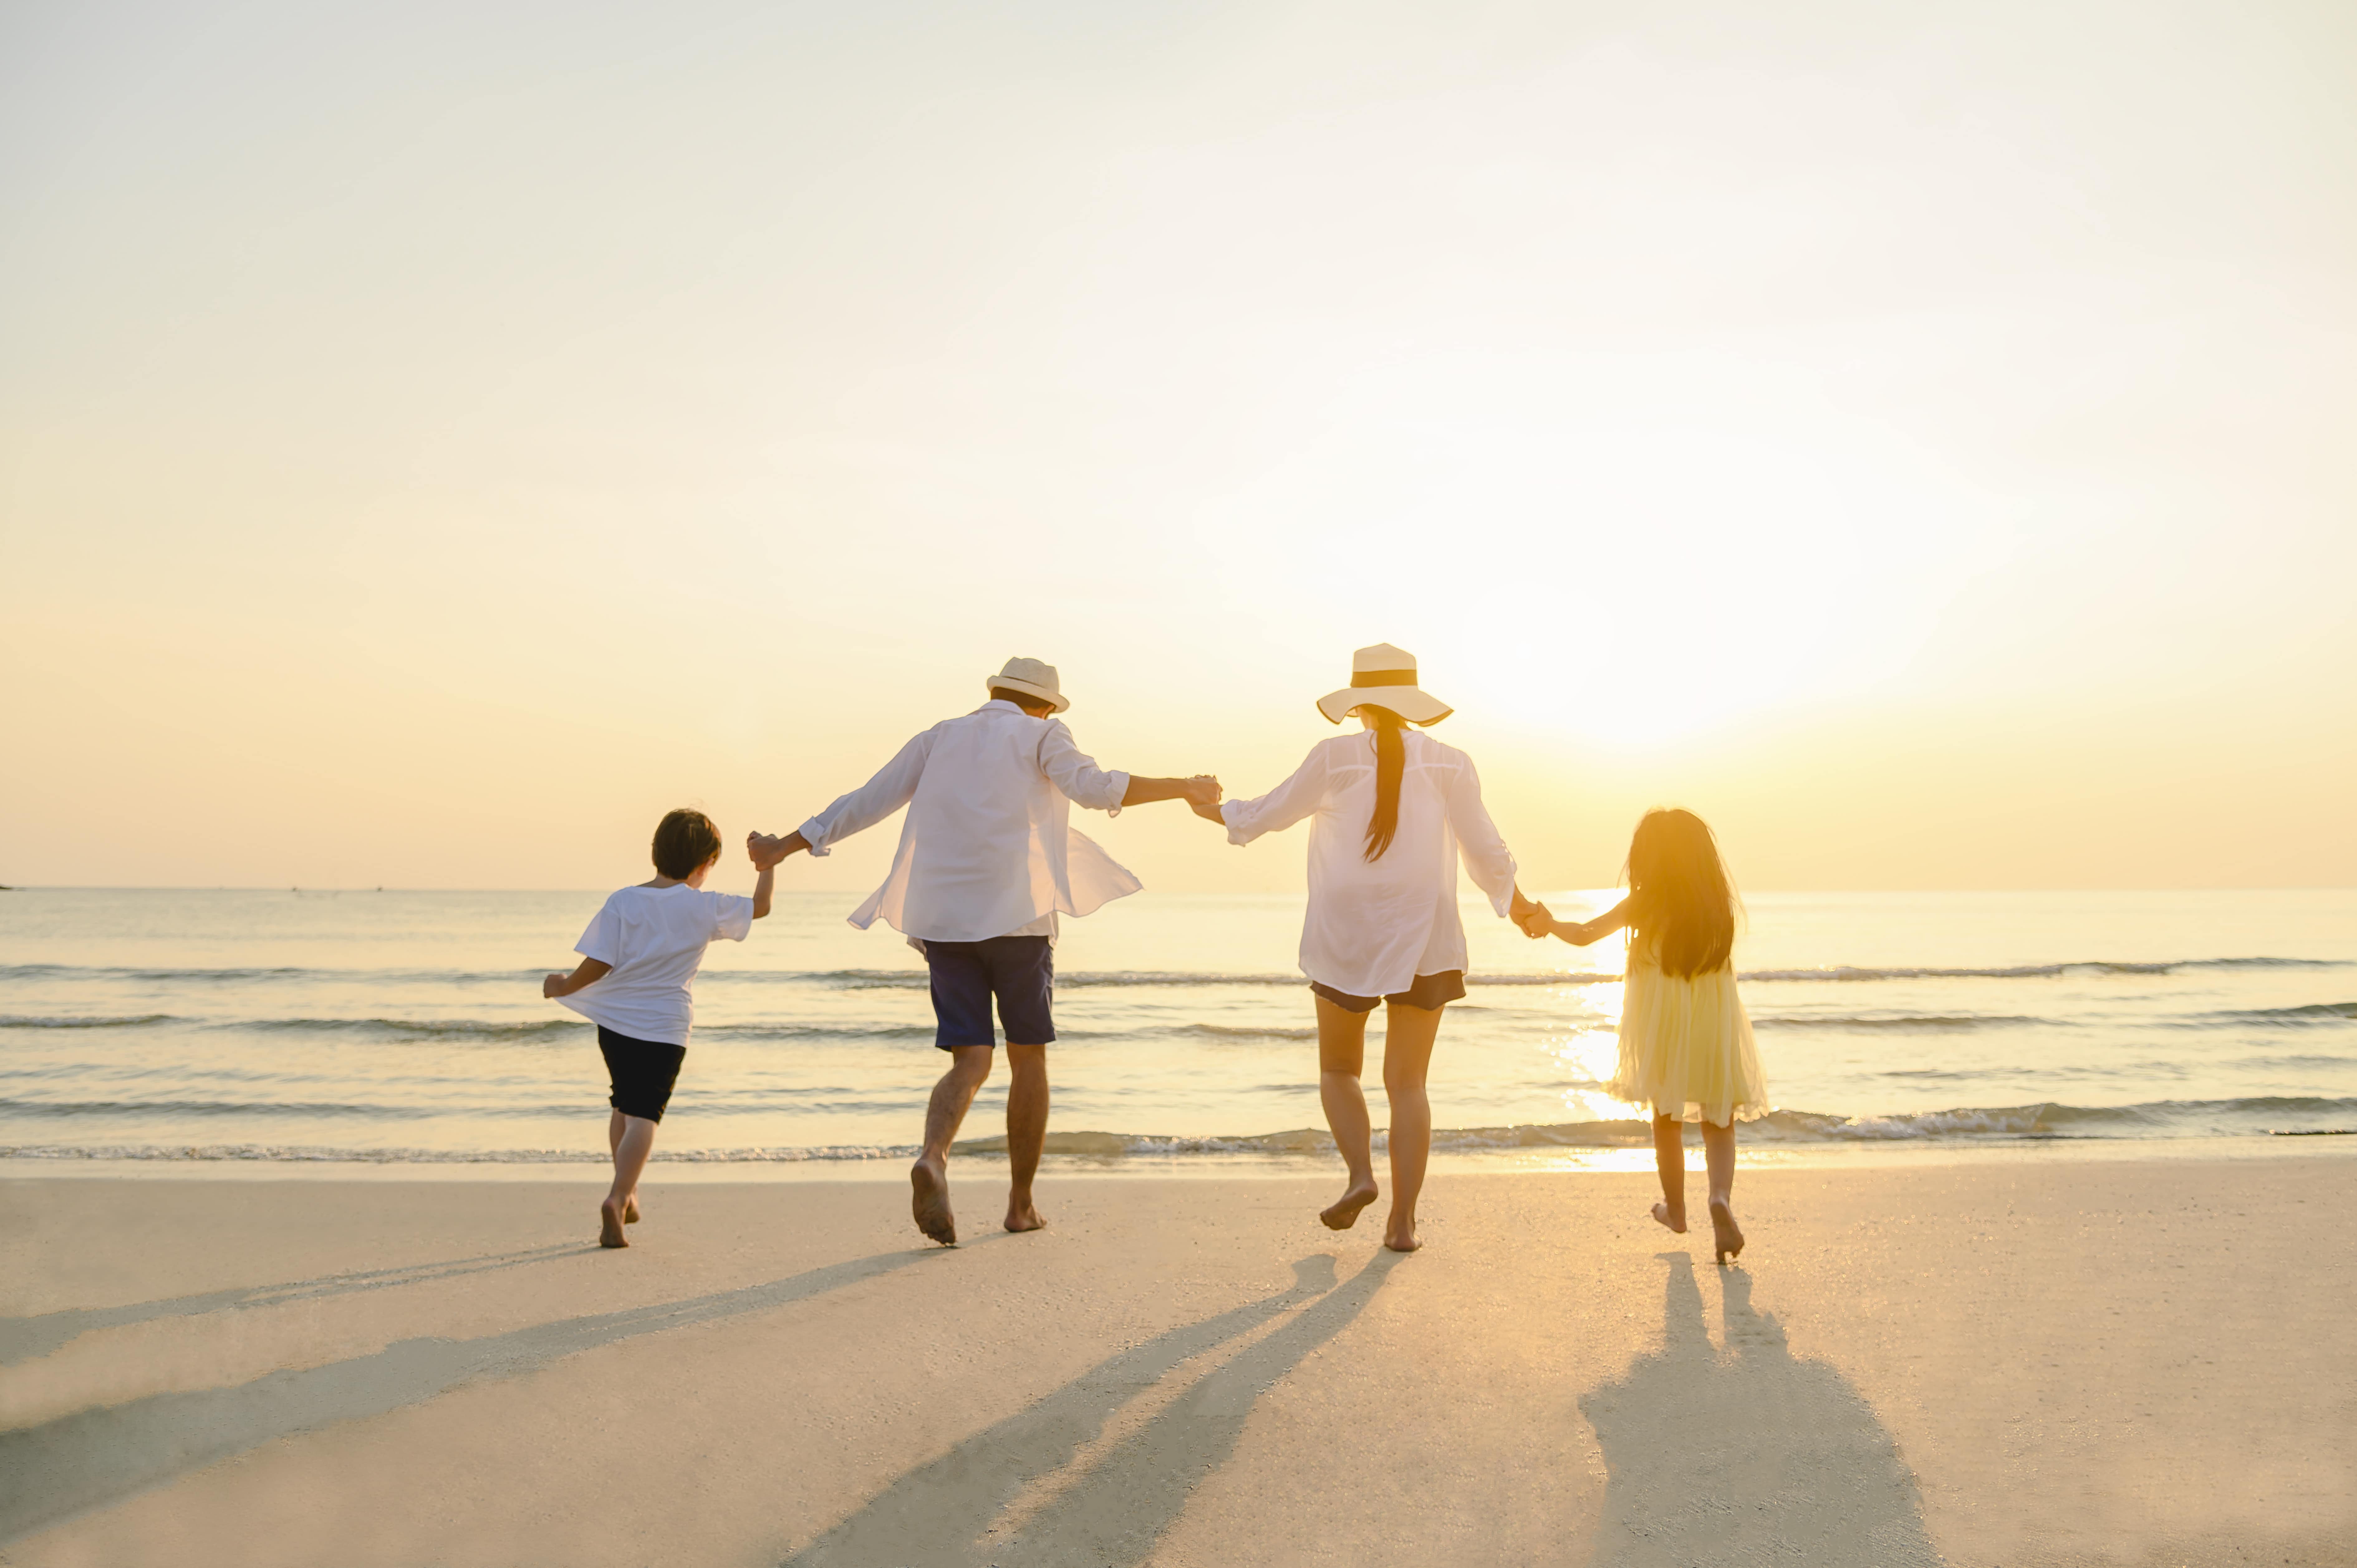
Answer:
x=1342 y=1055
x=1719 y=1151
x=630 y=1151
x=615 y=1124
x=1669 y=1160
x=1408 y=1035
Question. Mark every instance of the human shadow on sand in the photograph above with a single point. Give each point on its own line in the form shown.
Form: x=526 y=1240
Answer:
x=1744 y=1453
x=942 y=1515
x=23 y=1338
x=92 y=1457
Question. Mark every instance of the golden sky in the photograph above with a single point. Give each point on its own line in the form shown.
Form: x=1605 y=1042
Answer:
x=434 y=439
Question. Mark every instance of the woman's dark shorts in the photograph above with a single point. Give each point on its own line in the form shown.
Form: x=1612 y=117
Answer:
x=641 y=1071
x=1428 y=992
x=1020 y=971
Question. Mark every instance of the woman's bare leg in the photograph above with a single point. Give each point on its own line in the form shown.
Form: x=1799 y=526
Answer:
x=1408 y=1035
x=635 y=1142
x=1669 y=1160
x=1342 y=1055
x=1719 y=1151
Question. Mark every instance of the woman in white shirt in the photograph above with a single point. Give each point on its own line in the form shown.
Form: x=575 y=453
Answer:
x=1392 y=812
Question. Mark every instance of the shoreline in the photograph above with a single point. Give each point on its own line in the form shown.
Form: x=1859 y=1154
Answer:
x=892 y=1167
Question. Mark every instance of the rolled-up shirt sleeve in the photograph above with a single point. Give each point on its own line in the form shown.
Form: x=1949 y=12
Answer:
x=1487 y=859
x=1076 y=773
x=873 y=801
x=1282 y=807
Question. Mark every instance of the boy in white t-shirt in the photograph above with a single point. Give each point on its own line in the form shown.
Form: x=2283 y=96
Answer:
x=639 y=959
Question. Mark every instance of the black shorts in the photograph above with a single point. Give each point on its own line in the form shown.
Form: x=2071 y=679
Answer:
x=641 y=1072
x=1020 y=971
x=1428 y=990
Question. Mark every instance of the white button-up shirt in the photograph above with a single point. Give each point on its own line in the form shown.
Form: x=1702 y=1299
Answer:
x=1372 y=927
x=989 y=849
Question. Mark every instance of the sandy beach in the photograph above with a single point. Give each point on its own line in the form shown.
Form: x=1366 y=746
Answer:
x=2136 y=1363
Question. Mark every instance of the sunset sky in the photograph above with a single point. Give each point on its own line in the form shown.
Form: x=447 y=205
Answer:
x=437 y=438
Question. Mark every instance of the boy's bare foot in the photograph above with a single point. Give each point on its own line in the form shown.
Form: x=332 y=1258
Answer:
x=1675 y=1218
x=1024 y=1216
x=1725 y=1235
x=631 y=1209
x=929 y=1201
x=1343 y=1213
x=609 y=1225
x=1401 y=1237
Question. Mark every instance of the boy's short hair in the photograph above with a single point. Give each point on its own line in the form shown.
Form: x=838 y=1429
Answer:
x=683 y=841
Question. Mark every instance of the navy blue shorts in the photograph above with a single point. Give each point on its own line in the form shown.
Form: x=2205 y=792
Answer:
x=1020 y=971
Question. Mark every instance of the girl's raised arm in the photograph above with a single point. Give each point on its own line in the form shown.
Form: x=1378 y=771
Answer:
x=1579 y=933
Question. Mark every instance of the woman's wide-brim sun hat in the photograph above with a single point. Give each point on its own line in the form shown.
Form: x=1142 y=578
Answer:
x=1384 y=677
x=1032 y=678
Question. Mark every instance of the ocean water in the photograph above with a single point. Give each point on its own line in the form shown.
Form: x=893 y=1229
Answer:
x=408 y=1027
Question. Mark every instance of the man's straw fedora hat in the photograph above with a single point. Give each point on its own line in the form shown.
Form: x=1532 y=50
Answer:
x=1384 y=677
x=1033 y=679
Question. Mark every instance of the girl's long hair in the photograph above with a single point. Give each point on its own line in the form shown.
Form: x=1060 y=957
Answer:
x=1391 y=762
x=1680 y=898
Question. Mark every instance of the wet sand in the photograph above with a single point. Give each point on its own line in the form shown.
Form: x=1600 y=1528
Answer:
x=2139 y=1363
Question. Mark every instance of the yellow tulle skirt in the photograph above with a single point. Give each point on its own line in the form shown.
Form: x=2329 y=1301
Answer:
x=1685 y=1046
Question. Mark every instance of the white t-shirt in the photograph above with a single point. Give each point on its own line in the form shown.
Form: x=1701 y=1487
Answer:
x=654 y=939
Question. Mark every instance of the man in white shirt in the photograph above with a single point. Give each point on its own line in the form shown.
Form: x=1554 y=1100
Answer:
x=988 y=860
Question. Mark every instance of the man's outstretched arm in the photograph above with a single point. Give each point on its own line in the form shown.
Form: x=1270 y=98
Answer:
x=1202 y=789
x=862 y=809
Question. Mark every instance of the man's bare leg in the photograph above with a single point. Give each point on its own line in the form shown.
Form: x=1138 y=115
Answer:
x=929 y=1178
x=1341 y=1054
x=1027 y=1131
x=635 y=1142
x=1408 y=1035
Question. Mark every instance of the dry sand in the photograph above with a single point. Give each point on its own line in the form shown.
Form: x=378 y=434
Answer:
x=2142 y=1362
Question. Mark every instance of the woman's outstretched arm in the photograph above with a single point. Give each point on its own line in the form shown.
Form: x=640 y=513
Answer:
x=1282 y=807
x=1578 y=933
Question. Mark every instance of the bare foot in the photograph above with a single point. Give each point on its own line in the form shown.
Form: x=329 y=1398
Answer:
x=1725 y=1235
x=631 y=1209
x=1343 y=1213
x=1023 y=1216
x=1675 y=1218
x=1401 y=1239
x=609 y=1226
x=928 y=1202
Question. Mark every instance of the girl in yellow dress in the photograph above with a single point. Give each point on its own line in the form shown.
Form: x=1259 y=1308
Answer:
x=1686 y=1042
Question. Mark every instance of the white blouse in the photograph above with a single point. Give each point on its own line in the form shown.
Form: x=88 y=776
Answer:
x=1372 y=927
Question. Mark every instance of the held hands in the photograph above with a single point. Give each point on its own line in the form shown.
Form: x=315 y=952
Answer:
x=1530 y=916
x=766 y=850
x=1202 y=795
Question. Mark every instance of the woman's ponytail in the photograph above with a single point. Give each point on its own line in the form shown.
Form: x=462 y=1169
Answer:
x=1391 y=762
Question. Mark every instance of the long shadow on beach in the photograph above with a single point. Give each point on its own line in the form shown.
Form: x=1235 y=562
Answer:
x=1746 y=1454
x=98 y=1456
x=23 y=1338
x=942 y=1514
